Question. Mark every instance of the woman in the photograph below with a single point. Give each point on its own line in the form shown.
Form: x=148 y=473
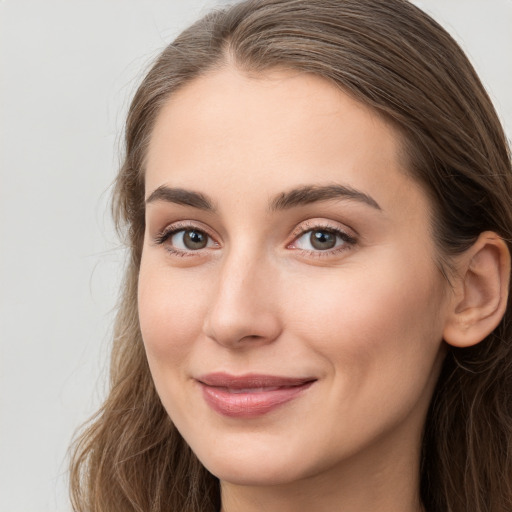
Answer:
x=316 y=195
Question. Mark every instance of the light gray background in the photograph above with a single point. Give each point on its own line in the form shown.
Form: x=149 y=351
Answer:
x=67 y=71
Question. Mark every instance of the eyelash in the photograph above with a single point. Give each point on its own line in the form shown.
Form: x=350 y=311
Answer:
x=172 y=230
x=348 y=240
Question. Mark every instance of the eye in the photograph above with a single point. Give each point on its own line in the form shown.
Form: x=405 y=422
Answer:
x=185 y=240
x=190 y=239
x=323 y=239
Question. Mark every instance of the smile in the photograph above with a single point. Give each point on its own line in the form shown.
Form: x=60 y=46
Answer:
x=250 y=395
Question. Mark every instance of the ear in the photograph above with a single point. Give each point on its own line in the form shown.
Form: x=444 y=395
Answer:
x=480 y=293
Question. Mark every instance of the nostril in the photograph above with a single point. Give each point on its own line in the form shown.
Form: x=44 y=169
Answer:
x=252 y=337
x=238 y=333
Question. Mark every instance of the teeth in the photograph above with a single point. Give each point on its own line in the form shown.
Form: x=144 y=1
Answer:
x=251 y=390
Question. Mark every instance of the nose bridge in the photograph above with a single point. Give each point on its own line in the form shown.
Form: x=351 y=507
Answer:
x=243 y=307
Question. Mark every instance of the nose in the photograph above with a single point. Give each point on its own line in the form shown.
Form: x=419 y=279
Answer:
x=243 y=311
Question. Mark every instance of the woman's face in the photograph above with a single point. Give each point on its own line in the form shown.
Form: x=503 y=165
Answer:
x=289 y=299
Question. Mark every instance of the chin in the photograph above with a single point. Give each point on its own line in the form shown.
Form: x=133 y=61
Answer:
x=252 y=473
x=257 y=464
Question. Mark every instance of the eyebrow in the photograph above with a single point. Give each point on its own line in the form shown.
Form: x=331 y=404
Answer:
x=313 y=193
x=181 y=196
x=300 y=196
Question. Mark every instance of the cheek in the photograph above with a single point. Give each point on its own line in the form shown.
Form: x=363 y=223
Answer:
x=171 y=309
x=372 y=317
x=379 y=331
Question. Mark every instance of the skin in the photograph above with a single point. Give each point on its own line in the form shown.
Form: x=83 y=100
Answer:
x=365 y=319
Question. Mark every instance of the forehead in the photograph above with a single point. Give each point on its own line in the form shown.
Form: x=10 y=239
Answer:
x=277 y=130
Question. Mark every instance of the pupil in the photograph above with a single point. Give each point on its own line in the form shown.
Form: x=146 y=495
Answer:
x=322 y=240
x=194 y=240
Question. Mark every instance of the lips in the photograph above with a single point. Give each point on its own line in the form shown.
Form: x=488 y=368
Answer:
x=250 y=395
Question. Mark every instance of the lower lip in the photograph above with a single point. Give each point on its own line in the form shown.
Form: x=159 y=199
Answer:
x=250 y=404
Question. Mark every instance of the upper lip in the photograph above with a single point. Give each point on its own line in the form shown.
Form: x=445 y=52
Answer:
x=251 y=380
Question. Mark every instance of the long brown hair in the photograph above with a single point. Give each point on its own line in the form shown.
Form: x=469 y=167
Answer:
x=391 y=56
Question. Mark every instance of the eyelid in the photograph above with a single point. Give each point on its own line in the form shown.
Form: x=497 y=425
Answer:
x=312 y=224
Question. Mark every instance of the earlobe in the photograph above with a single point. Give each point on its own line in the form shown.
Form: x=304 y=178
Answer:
x=480 y=293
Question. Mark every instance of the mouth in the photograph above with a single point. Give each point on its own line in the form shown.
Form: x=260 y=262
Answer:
x=250 y=395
